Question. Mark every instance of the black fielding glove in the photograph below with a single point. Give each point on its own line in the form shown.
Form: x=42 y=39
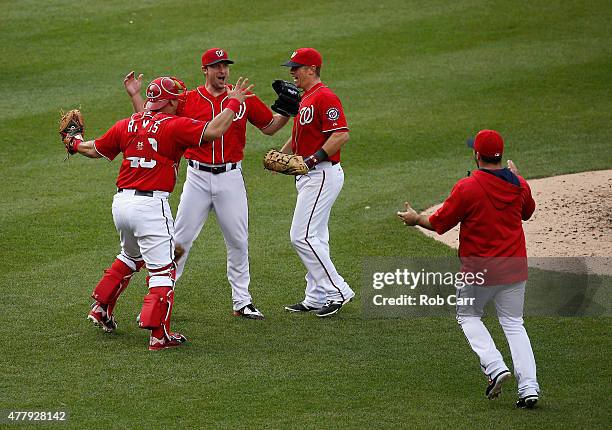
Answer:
x=288 y=101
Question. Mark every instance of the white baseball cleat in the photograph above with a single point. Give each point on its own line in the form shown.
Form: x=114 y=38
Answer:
x=249 y=312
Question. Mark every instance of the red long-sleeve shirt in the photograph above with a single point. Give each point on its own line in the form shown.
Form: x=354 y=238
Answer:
x=491 y=211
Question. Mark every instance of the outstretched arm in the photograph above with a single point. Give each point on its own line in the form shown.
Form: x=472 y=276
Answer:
x=277 y=123
x=76 y=144
x=411 y=218
x=222 y=122
x=132 y=86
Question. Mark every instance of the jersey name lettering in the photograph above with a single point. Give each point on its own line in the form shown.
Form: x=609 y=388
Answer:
x=133 y=127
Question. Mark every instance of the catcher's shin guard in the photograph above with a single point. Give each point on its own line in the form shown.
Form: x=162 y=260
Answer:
x=114 y=281
x=156 y=311
x=123 y=286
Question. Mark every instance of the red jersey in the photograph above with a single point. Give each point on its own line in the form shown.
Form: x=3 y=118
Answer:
x=152 y=145
x=200 y=104
x=491 y=211
x=320 y=115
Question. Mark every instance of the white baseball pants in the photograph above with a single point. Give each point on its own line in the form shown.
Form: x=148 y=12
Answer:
x=509 y=301
x=317 y=192
x=225 y=193
x=146 y=230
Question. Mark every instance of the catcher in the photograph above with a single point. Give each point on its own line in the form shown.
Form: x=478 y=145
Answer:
x=152 y=143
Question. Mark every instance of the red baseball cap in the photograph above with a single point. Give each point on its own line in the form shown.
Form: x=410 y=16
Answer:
x=214 y=56
x=488 y=143
x=161 y=90
x=304 y=57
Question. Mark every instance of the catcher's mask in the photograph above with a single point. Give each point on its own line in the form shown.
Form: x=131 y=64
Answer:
x=161 y=90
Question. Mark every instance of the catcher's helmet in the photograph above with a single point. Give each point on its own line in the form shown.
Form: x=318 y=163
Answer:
x=162 y=90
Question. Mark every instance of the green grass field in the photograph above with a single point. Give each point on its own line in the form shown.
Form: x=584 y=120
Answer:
x=416 y=78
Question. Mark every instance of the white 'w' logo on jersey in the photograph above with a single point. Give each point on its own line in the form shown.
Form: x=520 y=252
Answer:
x=240 y=112
x=306 y=115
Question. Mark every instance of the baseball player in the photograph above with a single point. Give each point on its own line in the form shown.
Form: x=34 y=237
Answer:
x=214 y=174
x=152 y=143
x=319 y=131
x=491 y=205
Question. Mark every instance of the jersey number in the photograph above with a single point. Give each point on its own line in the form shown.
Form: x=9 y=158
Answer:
x=141 y=161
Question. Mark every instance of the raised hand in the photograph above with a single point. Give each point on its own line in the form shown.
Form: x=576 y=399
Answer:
x=240 y=91
x=132 y=84
x=512 y=167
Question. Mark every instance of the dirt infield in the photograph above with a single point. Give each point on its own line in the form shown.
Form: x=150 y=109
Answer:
x=573 y=217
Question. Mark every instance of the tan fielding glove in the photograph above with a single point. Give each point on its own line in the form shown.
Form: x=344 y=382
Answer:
x=286 y=164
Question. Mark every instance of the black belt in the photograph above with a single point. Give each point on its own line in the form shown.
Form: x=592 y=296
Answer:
x=222 y=168
x=138 y=192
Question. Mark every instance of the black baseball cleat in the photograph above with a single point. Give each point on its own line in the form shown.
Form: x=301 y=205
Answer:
x=495 y=384
x=100 y=318
x=527 y=402
x=301 y=307
x=332 y=306
x=249 y=312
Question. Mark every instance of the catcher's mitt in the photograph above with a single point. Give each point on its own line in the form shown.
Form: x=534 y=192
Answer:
x=287 y=164
x=70 y=125
x=288 y=102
